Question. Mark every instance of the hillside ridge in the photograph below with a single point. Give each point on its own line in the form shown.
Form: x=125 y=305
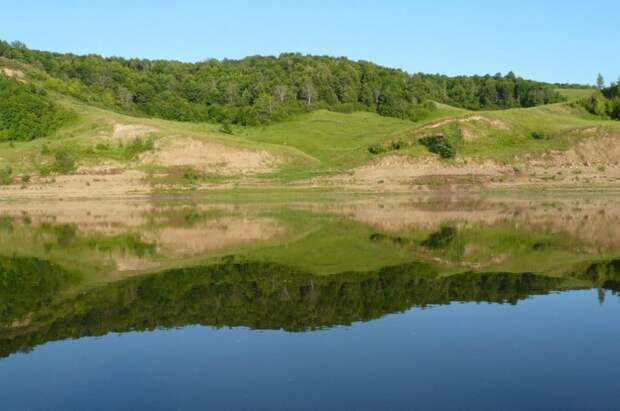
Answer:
x=99 y=149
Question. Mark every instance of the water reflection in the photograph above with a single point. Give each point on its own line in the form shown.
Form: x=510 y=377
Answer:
x=81 y=269
x=256 y=295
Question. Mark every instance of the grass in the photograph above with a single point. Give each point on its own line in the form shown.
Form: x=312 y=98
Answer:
x=330 y=141
x=308 y=145
x=576 y=93
x=506 y=135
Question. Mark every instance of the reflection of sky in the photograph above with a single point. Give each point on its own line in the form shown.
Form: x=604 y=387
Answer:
x=558 y=351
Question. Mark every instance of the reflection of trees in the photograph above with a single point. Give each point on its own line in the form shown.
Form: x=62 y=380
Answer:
x=447 y=239
x=604 y=275
x=260 y=296
x=28 y=285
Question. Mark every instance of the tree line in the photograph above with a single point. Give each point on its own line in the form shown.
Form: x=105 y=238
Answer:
x=264 y=89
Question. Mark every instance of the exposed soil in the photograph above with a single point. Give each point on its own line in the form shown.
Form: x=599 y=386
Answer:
x=130 y=131
x=210 y=157
x=400 y=173
x=12 y=73
x=492 y=122
x=93 y=184
x=468 y=133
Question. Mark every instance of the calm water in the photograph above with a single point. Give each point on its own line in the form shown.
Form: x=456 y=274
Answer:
x=365 y=303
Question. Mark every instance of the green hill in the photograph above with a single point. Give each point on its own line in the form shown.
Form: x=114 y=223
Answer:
x=77 y=129
x=266 y=89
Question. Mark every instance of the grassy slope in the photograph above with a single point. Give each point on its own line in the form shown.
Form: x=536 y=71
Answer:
x=334 y=141
x=94 y=125
x=313 y=143
x=560 y=122
x=506 y=135
x=320 y=142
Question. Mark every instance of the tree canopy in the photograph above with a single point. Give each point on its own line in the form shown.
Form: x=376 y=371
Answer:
x=263 y=89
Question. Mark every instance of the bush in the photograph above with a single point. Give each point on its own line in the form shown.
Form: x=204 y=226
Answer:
x=192 y=175
x=27 y=113
x=540 y=135
x=376 y=149
x=226 y=128
x=5 y=175
x=439 y=145
x=64 y=162
x=138 y=146
x=595 y=105
x=397 y=145
x=599 y=105
x=446 y=145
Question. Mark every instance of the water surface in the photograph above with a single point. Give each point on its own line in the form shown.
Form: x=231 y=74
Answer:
x=362 y=303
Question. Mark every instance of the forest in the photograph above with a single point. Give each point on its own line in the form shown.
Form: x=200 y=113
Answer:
x=265 y=89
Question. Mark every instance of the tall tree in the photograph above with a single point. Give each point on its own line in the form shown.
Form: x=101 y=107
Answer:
x=600 y=81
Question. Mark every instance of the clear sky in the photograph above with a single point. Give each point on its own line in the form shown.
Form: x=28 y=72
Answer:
x=564 y=41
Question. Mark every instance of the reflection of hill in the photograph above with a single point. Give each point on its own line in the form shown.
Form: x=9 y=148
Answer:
x=259 y=296
x=592 y=221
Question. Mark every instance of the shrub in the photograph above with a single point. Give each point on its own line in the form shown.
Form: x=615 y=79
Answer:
x=439 y=145
x=192 y=175
x=6 y=173
x=540 y=135
x=226 y=128
x=601 y=106
x=376 y=149
x=445 y=145
x=138 y=146
x=27 y=113
x=64 y=162
x=595 y=105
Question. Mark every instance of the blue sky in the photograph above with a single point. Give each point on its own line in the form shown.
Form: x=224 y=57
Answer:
x=564 y=41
